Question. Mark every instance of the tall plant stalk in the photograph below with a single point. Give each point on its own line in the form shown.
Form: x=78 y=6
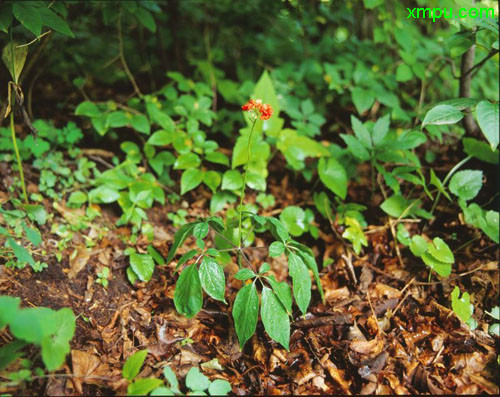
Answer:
x=242 y=194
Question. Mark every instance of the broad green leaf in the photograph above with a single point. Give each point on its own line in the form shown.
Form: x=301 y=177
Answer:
x=361 y=132
x=21 y=253
x=232 y=180
x=77 y=198
x=487 y=117
x=293 y=218
x=275 y=318
x=219 y=387
x=355 y=147
x=480 y=150
x=403 y=73
x=441 y=268
x=88 y=109
x=334 y=176
x=212 y=179
x=380 y=129
x=186 y=161
x=442 y=114
x=33 y=235
x=395 y=205
x=460 y=103
x=142 y=265
x=161 y=138
x=188 y=295
x=301 y=281
x=264 y=90
x=33 y=324
x=14 y=63
x=283 y=292
x=140 y=123
x=296 y=148
x=200 y=230
x=54 y=21
x=276 y=248
x=36 y=212
x=362 y=99
x=245 y=313
x=158 y=258
x=212 y=278
x=461 y=305
x=8 y=309
x=169 y=375
x=190 y=179
x=195 y=380
x=143 y=386
x=244 y=274
x=277 y=229
x=145 y=18
x=440 y=250
x=466 y=184
x=55 y=347
x=217 y=158
x=418 y=246
x=308 y=257
x=28 y=16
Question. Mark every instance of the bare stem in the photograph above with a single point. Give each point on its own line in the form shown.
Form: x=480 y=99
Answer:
x=122 y=58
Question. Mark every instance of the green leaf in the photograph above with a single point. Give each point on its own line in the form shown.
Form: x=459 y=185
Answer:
x=8 y=309
x=232 y=180
x=275 y=318
x=21 y=253
x=246 y=312
x=158 y=258
x=212 y=179
x=437 y=182
x=334 y=176
x=355 y=147
x=395 y=205
x=441 y=268
x=33 y=324
x=145 y=18
x=440 y=250
x=36 y=212
x=77 y=198
x=140 y=123
x=169 y=375
x=418 y=246
x=33 y=235
x=188 y=295
x=54 y=21
x=55 y=347
x=219 y=387
x=161 y=138
x=293 y=218
x=466 y=184
x=403 y=73
x=16 y=65
x=186 y=161
x=264 y=89
x=308 y=257
x=200 y=230
x=461 y=305
x=88 y=109
x=184 y=258
x=301 y=281
x=244 y=274
x=190 y=179
x=212 y=278
x=29 y=17
x=480 y=150
x=460 y=103
x=487 y=118
x=195 y=380
x=143 y=386
x=180 y=236
x=276 y=248
x=142 y=265
x=361 y=132
x=283 y=292
x=362 y=99
x=217 y=158
x=442 y=114
x=380 y=129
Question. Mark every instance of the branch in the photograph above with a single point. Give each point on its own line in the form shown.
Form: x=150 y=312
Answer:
x=122 y=58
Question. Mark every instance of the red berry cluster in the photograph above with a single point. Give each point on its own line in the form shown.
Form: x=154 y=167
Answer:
x=264 y=110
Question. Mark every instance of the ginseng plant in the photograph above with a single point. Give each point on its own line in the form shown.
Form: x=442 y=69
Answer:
x=202 y=271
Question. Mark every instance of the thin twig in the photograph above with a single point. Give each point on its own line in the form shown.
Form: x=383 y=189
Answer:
x=122 y=58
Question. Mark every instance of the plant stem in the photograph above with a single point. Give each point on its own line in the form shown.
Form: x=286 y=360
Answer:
x=18 y=157
x=447 y=178
x=240 y=209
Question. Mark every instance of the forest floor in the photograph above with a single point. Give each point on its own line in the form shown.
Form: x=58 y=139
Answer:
x=384 y=327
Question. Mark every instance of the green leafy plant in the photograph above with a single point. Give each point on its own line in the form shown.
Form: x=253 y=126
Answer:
x=462 y=307
x=196 y=382
x=102 y=277
x=436 y=254
x=47 y=329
